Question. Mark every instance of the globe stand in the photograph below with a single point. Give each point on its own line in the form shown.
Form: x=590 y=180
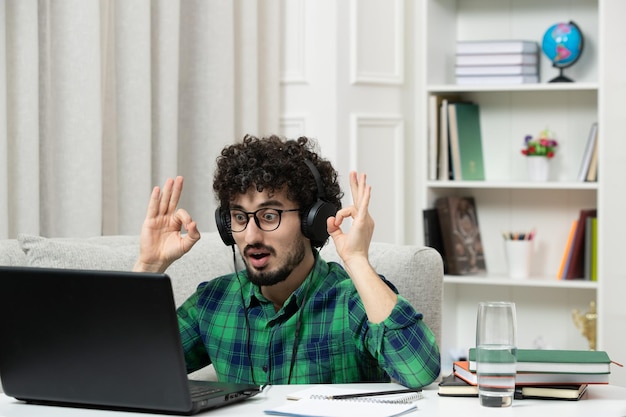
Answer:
x=561 y=78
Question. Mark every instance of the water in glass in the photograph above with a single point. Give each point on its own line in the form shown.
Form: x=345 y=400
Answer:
x=496 y=374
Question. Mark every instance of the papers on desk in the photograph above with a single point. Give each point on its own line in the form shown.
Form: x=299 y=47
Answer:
x=316 y=402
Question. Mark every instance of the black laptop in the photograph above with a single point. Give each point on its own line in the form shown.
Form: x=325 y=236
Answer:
x=99 y=339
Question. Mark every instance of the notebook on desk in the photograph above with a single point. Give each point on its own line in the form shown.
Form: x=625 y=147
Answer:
x=331 y=401
x=98 y=339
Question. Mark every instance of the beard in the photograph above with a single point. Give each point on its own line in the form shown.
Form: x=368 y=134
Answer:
x=292 y=259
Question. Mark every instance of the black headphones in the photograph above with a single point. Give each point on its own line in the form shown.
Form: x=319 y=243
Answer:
x=312 y=220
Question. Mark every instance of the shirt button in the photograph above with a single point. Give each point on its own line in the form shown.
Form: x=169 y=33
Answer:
x=265 y=368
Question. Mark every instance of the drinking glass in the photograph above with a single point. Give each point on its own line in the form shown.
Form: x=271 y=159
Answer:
x=496 y=351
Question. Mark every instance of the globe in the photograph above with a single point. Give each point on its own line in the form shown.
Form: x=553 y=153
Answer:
x=562 y=44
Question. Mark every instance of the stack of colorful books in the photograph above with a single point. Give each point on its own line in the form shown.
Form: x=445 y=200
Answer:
x=547 y=374
x=497 y=62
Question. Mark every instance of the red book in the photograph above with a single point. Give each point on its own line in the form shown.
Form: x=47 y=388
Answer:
x=462 y=370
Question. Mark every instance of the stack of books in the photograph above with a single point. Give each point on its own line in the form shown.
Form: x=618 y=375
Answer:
x=546 y=374
x=497 y=62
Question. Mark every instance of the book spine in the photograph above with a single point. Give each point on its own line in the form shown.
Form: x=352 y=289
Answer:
x=589 y=149
x=497 y=70
x=443 y=141
x=592 y=174
x=432 y=234
x=496 y=59
x=594 y=249
x=453 y=135
x=496 y=47
x=433 y=136
x=497 y=79
x=445 y=224
x=566 y=251
x=588 y=248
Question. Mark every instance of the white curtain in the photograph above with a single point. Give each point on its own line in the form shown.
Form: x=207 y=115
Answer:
x=100 y=100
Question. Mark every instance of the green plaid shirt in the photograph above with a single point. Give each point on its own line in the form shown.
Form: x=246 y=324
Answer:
x=337 y=344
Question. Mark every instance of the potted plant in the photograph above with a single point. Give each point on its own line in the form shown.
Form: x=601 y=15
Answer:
x=539 y=152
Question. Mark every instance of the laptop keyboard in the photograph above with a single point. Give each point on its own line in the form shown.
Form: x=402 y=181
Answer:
x=198 y=391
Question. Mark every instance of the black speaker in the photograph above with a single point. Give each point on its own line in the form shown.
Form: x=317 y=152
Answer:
x=312 y=220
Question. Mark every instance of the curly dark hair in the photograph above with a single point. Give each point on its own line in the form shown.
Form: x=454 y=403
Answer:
x=274 y=164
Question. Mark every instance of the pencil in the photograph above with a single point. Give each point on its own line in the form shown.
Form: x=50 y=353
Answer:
x=373 y=394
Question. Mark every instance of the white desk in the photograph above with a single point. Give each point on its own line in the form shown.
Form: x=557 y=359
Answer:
x=600 y=400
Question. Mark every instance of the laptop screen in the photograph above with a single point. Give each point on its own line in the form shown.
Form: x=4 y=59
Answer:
x=98 y=338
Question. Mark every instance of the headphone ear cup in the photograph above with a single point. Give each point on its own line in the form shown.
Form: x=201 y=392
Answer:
x=313 y=223
x=222 y=220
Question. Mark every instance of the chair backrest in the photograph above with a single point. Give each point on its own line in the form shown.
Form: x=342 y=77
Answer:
x=417 y=272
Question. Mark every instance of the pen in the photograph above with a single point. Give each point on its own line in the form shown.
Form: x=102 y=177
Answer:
x=372 y=394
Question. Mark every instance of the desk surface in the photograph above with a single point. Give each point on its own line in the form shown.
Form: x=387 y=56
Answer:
x=600 y=400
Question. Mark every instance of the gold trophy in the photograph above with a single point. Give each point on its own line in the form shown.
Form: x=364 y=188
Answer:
x=586 y=323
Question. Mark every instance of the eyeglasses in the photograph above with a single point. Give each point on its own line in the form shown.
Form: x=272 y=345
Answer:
x=266 y=219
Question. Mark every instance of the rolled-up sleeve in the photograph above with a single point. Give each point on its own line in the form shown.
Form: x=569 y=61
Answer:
x=404 y=346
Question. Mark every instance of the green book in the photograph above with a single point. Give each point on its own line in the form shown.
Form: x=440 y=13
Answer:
x=594 y=249
x=554 y=360
x=466 y=141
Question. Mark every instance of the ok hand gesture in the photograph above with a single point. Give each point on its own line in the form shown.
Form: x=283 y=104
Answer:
x=355 y=243
x=161 y=241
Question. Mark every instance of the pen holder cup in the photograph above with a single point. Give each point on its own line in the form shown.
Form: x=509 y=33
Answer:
x=519 y=255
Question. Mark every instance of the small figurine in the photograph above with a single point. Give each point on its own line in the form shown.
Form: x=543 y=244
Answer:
x=586 y=323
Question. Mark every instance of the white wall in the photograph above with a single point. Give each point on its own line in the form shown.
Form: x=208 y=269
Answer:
x=347 y=81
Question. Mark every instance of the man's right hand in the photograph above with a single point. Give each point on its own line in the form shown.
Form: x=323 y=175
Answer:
x=161 y=241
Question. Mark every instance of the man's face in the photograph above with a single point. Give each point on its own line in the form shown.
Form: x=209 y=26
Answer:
x=270 y=256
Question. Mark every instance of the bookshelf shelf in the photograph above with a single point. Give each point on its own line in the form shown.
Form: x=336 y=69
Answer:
x=511 y=185
x=538 y=282
x=455 y=88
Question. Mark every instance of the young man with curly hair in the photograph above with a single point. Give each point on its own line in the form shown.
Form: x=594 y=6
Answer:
x=290 y=316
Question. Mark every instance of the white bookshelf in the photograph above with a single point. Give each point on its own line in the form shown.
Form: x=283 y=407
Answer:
x=506 y=200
